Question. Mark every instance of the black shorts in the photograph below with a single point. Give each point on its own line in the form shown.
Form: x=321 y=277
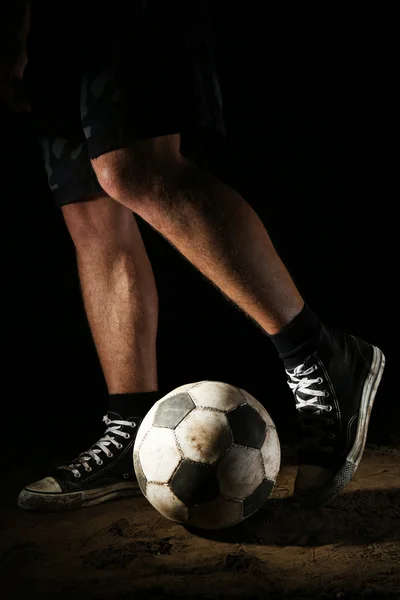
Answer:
x=87 y=100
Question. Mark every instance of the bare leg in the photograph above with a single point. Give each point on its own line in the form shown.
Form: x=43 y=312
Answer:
x=119 y=292
x=208 y=222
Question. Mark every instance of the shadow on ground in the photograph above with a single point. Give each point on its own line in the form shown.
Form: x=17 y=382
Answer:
x=361 y=517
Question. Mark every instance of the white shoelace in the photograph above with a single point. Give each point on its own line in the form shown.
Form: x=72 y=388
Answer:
x=300 y=383
x=101 y=445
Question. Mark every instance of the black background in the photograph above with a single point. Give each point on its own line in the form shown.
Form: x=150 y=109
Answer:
x=307 y=106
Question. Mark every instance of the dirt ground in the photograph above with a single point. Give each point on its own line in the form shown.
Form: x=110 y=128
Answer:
x=125 y=549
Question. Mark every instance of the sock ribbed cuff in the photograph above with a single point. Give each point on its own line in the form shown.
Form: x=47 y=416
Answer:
x=135 y=404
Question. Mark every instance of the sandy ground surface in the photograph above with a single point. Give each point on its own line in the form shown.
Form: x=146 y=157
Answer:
x=125 y=549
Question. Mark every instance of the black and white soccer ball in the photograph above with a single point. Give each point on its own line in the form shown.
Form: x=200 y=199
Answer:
x=207 y=454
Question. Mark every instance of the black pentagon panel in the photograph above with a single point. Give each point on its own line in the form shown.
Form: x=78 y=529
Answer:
x=194 y=483
x=140 y=476
x=257 y=498
x=171 y=412
x=248 y=428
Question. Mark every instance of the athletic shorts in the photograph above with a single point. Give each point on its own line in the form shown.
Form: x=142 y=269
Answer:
x=88 y=100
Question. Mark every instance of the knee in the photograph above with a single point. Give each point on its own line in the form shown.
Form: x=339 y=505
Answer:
x=100 y=225
x=139 y=176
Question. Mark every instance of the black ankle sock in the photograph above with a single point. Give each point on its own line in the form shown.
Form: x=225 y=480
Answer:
x=298 y=338
x=135 y=404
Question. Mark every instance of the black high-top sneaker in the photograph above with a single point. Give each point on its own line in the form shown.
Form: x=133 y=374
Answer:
x=102 y=473
x=334 y=389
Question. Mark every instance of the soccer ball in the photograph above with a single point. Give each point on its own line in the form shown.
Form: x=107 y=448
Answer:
x=207 y=454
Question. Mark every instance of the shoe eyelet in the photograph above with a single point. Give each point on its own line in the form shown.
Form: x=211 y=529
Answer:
x=320 y=380
x=326 y=394
x=126 y=475
x=88 y=469
x=77 y=475
x=110 y=455
x=133 y=424
x=127 y=436
x=120 y=446
x=100 y=462
x=331 y=436
x=329 y=408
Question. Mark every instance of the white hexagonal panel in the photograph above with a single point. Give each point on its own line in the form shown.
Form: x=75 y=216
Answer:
x=240 y=472
x=145 y=426
x=217 y=514
x=271 y=454
x=159 y=455
x=164 y=500
x=215 y=394
x=204 y=435
x=259 y=408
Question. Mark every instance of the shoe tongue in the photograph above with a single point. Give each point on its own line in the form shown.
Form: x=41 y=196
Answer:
x=114 y=416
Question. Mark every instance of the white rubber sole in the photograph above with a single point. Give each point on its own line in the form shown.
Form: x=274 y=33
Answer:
x=30 y=500
x=367 y=401
x=345 y=474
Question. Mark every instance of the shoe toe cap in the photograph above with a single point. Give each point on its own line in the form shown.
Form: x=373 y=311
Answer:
x=47 y=485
